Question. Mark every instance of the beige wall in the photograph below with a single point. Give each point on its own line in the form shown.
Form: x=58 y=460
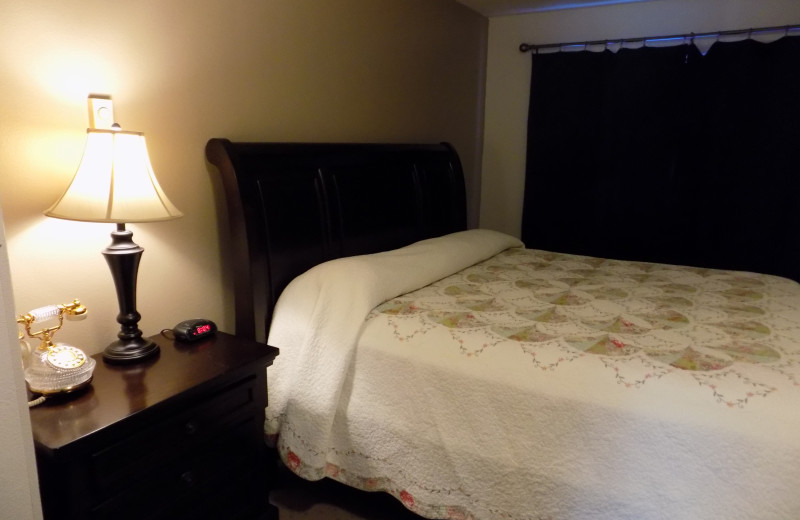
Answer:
x=185 y=71
x=508 y=73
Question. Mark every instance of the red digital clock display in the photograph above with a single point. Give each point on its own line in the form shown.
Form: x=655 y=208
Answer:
x=194 y=330
x=202 y=329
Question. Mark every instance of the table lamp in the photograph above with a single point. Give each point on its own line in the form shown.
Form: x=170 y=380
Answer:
x=115 y=183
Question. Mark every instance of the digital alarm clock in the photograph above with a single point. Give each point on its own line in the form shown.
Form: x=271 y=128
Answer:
x=194 y=330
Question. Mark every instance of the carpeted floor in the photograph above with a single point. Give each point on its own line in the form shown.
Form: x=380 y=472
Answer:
x=297 y=499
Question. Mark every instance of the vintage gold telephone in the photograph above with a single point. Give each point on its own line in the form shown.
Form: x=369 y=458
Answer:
x=53 y=368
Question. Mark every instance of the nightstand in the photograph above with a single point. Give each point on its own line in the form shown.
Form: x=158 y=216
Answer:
x=177 y=437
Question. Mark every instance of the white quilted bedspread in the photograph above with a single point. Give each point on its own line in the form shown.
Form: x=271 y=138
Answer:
x=542 y=385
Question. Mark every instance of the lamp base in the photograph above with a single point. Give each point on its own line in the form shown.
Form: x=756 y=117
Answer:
x=130 y=351
x=123 y=257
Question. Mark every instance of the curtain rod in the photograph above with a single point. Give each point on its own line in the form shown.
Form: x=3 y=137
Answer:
x=526 y=47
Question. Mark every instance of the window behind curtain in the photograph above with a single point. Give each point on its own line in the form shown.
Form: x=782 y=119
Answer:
x=662 y=154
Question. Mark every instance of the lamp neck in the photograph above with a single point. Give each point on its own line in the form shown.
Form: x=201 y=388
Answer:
x=122 y=242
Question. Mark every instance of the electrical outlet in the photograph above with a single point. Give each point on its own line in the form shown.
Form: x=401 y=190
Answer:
x=101 y=111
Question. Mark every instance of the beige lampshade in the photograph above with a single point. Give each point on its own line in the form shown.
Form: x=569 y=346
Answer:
x=115 y=182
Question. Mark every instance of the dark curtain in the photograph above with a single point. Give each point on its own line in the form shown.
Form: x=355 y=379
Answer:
x=665 y=155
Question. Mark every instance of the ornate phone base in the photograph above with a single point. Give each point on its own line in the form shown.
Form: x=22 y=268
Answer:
x=54 y=368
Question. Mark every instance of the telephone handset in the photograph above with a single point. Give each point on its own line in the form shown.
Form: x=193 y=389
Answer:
x=54 y=368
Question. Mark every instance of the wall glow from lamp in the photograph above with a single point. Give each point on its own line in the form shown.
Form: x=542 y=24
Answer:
x=115 y=183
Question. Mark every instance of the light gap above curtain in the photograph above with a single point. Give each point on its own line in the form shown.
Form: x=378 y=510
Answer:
x=703 y=41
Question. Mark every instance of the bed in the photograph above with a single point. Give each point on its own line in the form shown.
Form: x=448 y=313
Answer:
x=471 y=377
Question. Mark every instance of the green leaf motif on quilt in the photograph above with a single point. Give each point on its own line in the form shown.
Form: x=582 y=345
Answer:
x=677 y=288
x=455 y=320
x=741 y=309
x=691 y=359
x=743 y=282
x=398 y=308
x=751 y=352
x=594 y=261
x=747 y=329
x=602 y=345
x=533 y=283
x=483 y=305
x=534 y=264
x=501 y=268
x=645 y=278
x=619 y=324
x=578 y=282
x=483 y=278
x=565 y=298
x=588 y=273
x=529 y=334
x=741 y=295
x=548 y=256
x=670 y=301
x=463 y=290
x=665 y=319
x=608 y=293
x=549 y=315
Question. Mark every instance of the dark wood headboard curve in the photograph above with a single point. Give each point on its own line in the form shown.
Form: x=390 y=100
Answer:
x=292 y=206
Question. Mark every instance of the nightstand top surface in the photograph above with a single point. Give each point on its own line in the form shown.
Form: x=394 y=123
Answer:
x=120 y=391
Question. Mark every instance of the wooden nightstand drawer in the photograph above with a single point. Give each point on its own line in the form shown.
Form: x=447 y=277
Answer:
x=180 y=437
x=150 y=450
x=188 y=486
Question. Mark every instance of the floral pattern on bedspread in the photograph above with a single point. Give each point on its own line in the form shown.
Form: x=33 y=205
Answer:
x=387 y=485
x=641 y=321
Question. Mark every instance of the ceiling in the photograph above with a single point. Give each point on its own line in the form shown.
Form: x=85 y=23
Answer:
x=491 y=8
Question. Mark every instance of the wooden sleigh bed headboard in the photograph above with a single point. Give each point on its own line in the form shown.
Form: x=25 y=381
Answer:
x=292 y=206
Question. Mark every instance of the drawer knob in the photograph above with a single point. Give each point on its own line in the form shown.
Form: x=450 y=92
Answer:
x=188 y=478
x=190 y=428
